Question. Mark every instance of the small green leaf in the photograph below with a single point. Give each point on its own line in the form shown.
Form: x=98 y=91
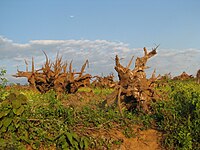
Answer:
x=3 y=142
x=6 y=122
x=76 y=145
x=11 y=128
x=75 y=136
x=65 y=146
x=85 y=143
x=18 y=111
x=11 y=97
x=69 y=137
x=5 y=103
x=62 y=139
x=16 y=122
x=4 y=113
x=22 y=147
x=24 y=138
x=1 y=124
x=33 y=146
x=81 y=144
x=3 y=129
x=16 y=103
x=22 y=98
x=17 y=125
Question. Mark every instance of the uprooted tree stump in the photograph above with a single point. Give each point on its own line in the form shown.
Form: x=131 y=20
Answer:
x=104 y=82
x=183 y=76
x=55 y=76
x=198 y=76
x=134 y=90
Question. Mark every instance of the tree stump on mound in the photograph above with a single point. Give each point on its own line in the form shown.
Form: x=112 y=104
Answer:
x=134 y=90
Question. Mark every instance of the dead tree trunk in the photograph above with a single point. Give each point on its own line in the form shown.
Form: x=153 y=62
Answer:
x=198 y=76
x=134 y=89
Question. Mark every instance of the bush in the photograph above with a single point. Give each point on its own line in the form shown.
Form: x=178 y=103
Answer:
x=3 y=80
x=179 y=117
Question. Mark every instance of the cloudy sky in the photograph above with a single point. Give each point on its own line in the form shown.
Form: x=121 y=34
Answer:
x=98 y=30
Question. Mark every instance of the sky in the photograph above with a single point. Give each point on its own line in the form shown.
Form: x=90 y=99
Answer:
x=98 y=30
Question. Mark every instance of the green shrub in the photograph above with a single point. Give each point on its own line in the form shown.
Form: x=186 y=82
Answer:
x=179 y=117
x=11 y=121
x=70 y=140
x=3 y=80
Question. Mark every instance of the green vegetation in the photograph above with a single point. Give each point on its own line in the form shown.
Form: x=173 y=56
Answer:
x=179 y=116
x=3 y=80
x=42 y=121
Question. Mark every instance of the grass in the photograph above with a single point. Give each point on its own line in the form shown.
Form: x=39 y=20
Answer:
x=49 y=122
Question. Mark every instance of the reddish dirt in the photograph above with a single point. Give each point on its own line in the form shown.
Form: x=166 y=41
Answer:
x=146 y=140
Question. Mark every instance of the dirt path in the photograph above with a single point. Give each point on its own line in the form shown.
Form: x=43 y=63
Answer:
x=145 y=140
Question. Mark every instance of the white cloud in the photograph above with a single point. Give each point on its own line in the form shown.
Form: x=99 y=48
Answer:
x=100 y=54
x=46 y=42
x=177 y=61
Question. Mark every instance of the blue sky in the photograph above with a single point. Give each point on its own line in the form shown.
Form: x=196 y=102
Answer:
x=26 y=25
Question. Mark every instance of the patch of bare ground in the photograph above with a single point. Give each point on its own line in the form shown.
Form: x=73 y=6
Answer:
x=143 y=140
x=81 y=99
x=77 y=100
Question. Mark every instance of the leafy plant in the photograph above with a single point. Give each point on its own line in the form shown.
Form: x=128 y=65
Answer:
x=11 y=119
x=70 y=140
x=179 y=117
x=3 y=80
